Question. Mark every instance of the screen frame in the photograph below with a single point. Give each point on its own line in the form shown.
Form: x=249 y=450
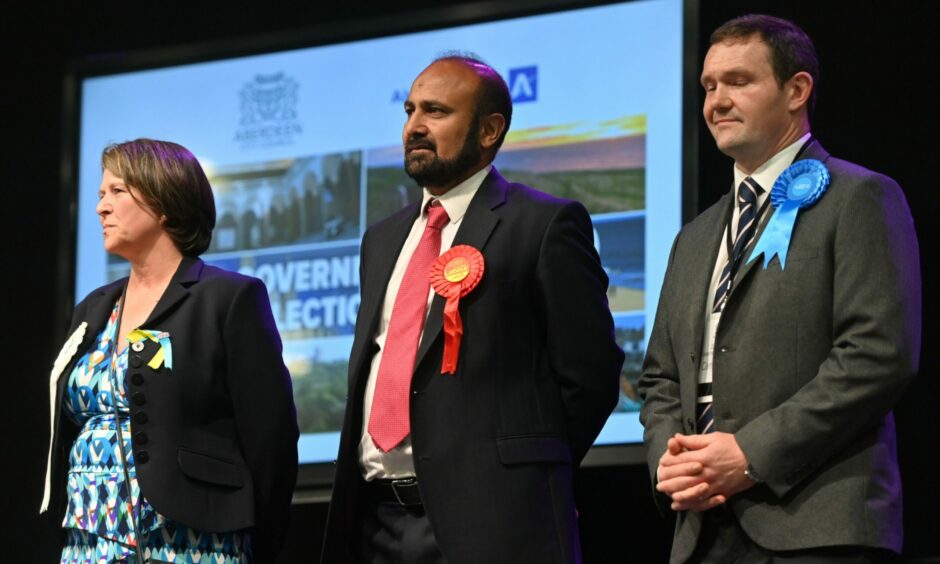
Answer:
x=315 y=480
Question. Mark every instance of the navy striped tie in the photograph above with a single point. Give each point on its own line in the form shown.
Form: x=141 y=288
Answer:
x=743 y=237
x=747 y=226
x=704 y=413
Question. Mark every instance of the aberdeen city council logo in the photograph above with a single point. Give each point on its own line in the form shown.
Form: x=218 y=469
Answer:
x=269 y=111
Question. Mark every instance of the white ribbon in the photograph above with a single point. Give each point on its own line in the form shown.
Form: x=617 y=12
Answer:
x=65 y=356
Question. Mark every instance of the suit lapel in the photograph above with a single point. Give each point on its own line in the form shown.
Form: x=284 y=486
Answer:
x=475 y=229
x=99 y=310
x=187 y=274
x=815 y=151
x=702 y=268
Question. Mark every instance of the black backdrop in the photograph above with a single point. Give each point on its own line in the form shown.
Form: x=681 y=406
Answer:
x=877 y=106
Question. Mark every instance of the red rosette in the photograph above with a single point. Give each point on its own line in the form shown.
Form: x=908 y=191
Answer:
x=454 y=275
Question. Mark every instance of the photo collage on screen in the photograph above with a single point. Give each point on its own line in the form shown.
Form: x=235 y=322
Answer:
x=296 y=224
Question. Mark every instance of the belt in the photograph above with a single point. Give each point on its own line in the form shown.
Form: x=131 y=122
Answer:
x=403 y=492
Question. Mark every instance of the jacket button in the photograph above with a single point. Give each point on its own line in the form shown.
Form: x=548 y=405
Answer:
x=723 y=349
x=141 y=438
x=136 y=361
x=137 y=378
x=141 y=457
x=140 y=417
x=139 y=398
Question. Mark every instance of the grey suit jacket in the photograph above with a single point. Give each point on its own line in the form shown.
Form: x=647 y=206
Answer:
x=808 y=363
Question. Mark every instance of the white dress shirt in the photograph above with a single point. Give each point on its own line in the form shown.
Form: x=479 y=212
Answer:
x=765 y=175
x=398 y=462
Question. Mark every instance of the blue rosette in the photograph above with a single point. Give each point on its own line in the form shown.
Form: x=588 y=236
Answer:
x=798 y=187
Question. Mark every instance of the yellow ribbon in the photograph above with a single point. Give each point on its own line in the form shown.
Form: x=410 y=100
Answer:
x=163 y=355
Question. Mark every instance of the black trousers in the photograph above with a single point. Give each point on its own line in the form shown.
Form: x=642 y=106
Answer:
x=723 y=541
x=394 y=534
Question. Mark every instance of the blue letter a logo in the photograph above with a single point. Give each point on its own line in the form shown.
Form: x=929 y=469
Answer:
x=524 y=84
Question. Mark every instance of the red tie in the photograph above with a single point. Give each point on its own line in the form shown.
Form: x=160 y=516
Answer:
x=389 y=423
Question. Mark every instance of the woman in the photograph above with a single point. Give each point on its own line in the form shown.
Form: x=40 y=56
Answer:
x=174 y=429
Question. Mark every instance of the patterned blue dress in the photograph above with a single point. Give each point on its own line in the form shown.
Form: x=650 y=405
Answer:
x=99 y=516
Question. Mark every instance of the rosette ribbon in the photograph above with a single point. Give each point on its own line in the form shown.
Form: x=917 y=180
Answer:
x=798 y=187
x=454 y=275
x=162 y=356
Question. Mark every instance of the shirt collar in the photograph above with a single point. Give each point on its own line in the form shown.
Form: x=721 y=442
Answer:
x=457 y=199
x=767 y=173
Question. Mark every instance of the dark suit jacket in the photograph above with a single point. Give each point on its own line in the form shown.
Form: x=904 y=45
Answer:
x=808 y=363
x=496 y=443
x=215 y=438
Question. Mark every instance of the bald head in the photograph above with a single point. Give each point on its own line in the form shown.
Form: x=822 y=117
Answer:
x=492 y=96
x=449 y=134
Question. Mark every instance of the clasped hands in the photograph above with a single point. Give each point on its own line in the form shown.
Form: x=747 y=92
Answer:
x=699 y=472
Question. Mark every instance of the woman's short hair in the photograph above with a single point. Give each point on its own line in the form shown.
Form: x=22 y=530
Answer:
x=172 y=184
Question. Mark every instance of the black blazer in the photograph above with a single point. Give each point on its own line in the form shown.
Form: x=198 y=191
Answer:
x=808 y=363
x=495 y=444
x=215 y=437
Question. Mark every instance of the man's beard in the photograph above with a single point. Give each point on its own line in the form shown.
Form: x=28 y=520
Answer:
x=441 y=172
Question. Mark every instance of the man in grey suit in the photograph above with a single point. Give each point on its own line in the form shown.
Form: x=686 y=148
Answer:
x=771 y=373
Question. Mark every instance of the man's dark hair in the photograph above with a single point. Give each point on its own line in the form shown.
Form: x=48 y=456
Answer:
x=791 y=50
x=493 y=96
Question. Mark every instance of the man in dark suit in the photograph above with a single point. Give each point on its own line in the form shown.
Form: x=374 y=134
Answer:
x=769 y=379
x=475 y=465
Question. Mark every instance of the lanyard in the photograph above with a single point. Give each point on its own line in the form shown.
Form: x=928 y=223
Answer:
x=805 y=146
x=131 y=507
x=735 y=261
